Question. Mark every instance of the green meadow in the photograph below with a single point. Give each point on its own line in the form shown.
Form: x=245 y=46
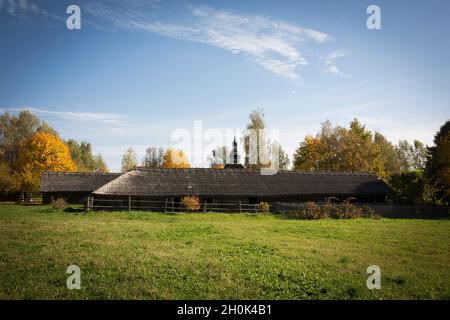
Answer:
x=136 y=255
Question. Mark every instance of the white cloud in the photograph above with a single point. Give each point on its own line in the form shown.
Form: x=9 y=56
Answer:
x=13 y=7
x=275 y=45
x=330 y=62
x=80 y=116
x=331 y=58
x=332 y=69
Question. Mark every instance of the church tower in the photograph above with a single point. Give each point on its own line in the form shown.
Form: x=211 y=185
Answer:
x=234 y=157
x=235 y=151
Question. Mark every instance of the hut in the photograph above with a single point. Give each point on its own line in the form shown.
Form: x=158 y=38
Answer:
x=75 y=187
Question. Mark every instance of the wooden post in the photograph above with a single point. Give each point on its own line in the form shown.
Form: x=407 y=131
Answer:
x=173 y=204
x=240 y=207
x=87 y=203
x=129 y=203
x=165 y=206
x=204 y=206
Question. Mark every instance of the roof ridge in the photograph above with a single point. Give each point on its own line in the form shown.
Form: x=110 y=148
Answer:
x=116 y=180
x=80 y=172
x=348 y=173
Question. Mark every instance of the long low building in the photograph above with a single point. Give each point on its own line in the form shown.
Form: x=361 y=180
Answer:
x=230 y=185
x=75 y=187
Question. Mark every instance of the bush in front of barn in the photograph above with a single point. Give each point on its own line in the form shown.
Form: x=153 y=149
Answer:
x=314 y=211
x=191 y=203
x=59 y=203
x=263 y=208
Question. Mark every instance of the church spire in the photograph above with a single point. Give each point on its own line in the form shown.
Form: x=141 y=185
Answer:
x=234 y=156
x=235 y=151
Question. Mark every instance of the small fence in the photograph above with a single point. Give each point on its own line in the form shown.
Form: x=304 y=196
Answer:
x=170 y=206
x=31 y=198
x=384 y=210
x=166 y=206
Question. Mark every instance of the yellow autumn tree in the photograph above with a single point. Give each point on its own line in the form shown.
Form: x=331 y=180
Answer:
x=309 y=154
x=42 y=152
x=174 y=158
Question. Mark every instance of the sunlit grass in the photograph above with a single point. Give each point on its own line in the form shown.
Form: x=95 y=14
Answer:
x=218 y=256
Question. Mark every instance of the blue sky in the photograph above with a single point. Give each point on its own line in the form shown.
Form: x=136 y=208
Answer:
x=139 y=71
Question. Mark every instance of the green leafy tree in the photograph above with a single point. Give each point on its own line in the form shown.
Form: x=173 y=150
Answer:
x=82 y=155
x=99 y=163
x=409 y=187
x=340 y=149
x=438 y=165
x=15 y=130
x=388 y=154
x=10 y=184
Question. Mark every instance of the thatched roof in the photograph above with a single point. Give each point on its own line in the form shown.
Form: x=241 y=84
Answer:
x=240 y=182
x=75 y=181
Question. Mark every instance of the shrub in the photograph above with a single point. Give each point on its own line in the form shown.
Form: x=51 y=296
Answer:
x=370 y=213
x=315 y=211
x=349 y=210
x=263 y=207
x=191 y=203
x=59 y=203
x=310 y=210
x=329 y=209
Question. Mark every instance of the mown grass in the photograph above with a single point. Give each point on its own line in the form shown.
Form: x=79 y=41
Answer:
x=218 y=256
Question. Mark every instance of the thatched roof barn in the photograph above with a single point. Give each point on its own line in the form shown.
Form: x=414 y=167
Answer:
x=75 y=187
x=233 y=184
x=245 y=185
x=230 y=185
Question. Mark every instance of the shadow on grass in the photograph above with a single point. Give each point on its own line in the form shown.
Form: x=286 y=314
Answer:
x=73 y=210
x=48 y=209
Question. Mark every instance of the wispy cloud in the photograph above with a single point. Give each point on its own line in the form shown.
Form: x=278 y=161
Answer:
x=275 y=45
x=330 y=62
x=19 y=7
x=79 y=116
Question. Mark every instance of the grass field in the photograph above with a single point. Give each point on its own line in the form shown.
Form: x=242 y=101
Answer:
x=218 y=256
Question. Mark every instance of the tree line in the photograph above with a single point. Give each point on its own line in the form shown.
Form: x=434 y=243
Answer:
x=155 y=157
x=29 y=146
x=158 y=157
x=416 y=172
